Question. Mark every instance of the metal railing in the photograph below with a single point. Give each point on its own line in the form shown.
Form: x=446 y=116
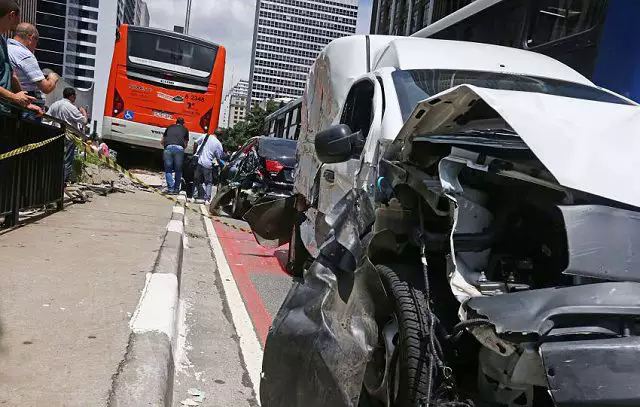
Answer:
x=32 y=179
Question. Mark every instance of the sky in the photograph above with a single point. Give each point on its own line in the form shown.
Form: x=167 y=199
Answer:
x=226 y=22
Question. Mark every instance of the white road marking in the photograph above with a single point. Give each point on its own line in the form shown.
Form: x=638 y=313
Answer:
x=175 y=226
x=157 y=307
x=178 y=209
x=249 y=345
x=182 y=347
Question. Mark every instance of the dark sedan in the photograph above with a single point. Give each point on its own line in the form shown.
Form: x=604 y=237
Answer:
x=259 y=171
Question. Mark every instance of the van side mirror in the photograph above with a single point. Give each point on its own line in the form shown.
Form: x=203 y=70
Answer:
x=337 y=144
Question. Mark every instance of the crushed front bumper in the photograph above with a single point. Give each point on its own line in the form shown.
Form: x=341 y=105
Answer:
x=588 y=338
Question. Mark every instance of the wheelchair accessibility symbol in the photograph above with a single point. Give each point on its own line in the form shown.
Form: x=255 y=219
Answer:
x=129 y=115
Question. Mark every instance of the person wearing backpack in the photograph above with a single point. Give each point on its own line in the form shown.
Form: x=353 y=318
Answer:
x=209 y=153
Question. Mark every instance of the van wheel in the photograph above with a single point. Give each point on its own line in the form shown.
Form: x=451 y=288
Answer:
x=398 y=372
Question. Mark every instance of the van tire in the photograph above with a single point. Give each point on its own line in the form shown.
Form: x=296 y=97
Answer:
x=409 y=308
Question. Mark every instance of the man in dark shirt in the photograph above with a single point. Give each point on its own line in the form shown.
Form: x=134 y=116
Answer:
x=174 y=141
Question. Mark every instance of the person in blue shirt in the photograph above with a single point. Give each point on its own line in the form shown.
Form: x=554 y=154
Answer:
x=209 y=161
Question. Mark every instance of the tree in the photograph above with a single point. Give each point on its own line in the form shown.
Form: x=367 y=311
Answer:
x=252 y=126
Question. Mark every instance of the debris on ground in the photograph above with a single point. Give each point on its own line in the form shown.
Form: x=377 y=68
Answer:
x=101 y=175
x=196 y=397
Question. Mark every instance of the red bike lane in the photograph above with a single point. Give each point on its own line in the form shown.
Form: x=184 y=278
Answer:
x=259 y=275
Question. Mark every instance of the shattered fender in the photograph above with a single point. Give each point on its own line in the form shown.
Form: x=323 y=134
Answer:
x=272 y=222
x=321 y=340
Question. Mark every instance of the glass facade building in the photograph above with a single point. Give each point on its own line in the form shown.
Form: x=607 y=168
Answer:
x=405 y=17
x=288 y=36
x=69 y=34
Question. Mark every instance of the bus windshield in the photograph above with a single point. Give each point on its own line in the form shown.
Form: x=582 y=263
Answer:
x=171 y=54
x=414 y=86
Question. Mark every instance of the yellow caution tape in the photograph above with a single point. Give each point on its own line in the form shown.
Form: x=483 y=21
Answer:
x=28 y=147
x=115 y=166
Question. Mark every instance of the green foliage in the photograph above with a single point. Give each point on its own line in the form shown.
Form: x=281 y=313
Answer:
x=252 y=126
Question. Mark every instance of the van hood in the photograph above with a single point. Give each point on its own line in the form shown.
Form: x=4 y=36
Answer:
x=586 y=145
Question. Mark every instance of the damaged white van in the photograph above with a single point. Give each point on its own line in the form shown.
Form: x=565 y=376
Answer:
x=467 y=232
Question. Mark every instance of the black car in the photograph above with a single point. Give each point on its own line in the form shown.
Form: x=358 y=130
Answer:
x=259 y=171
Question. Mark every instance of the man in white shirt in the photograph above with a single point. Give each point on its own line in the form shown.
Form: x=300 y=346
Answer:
x=65 y=110
x=208 y=163
x=25 y=65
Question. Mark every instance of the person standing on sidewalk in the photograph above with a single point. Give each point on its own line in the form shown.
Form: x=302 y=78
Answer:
x=66 y=110
x=9 y=85
x=25 y=65
x=174 y=141
x=208 y=169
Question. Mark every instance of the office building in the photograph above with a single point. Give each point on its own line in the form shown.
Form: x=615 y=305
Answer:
x=69 y=33
x=134 y=12
x=288 y=36
x=28 y=10
x=234 y=109
x=405 y=17
x=142 y=14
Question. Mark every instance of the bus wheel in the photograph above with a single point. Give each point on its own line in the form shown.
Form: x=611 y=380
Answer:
x=398 y=371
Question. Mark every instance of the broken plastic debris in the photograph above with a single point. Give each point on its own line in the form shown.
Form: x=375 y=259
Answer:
x=197 y=395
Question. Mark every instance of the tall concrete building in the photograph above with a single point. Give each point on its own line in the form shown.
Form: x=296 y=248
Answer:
x=234 y=107
x=288 y=36
x=405 y=17
x=69 y=33
x=143 y=18
x=134 y=12
x=28 y=10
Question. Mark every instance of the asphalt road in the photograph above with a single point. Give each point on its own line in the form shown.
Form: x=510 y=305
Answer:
x=230 y=290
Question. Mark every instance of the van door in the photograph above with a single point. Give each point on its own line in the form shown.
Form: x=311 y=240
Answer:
x=362 y=111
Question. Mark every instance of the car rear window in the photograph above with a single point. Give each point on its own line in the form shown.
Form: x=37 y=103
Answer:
x=277 y=148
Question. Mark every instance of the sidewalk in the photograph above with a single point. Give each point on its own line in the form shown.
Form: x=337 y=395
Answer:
x=68 y=286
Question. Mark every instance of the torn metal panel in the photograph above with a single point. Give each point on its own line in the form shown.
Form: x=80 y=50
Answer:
x=554 y=128
x=273 y=221
x=324 y=333
x=318 y=347
x=540 y=311
x=593 y=372
x=603 y=242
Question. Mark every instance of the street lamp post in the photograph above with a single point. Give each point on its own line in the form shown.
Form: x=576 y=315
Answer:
x=188 y=18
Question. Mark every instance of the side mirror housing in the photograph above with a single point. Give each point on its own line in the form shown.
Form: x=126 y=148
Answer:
x=337 y=144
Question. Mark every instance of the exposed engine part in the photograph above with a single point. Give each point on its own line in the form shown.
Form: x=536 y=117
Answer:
x=510 y=380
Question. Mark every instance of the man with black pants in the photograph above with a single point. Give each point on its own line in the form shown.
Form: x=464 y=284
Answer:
x=174 y=141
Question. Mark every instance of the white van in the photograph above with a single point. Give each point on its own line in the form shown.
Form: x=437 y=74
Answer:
x=466 y=223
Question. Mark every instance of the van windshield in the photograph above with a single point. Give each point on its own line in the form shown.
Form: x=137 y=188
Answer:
x=414 y=86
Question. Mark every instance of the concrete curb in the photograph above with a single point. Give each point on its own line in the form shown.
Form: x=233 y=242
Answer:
x=145 y=375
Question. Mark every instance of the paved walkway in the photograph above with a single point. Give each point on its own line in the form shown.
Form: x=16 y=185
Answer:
x=68 y=285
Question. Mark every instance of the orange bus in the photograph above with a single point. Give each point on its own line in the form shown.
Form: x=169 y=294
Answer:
x=156 y=77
